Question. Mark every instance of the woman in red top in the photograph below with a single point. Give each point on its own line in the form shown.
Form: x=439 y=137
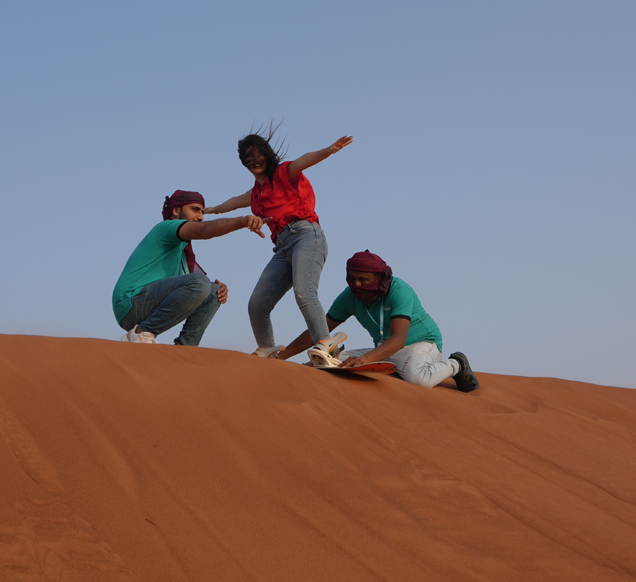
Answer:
x=283 y=193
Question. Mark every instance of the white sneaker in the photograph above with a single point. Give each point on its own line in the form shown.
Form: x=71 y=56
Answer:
x=268 y=352
x=141 y=337
x=325 y=352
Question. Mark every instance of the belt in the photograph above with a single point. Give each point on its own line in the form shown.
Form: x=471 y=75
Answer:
x=287 y=226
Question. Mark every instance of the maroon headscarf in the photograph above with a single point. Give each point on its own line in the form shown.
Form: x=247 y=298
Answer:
x=367 y=262
x=177 y=200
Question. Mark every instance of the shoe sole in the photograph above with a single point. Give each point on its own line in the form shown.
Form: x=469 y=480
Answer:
x=466 y=380
x=124 y=338
x=273 y=354
x=341 y=335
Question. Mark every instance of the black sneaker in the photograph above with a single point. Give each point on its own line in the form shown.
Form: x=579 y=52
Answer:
x=465 y=379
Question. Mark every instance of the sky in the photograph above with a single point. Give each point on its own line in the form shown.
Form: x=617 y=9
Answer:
x=493 y=163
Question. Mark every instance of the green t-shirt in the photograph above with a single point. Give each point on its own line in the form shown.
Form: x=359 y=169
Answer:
x=158 y=256
x=400 y=301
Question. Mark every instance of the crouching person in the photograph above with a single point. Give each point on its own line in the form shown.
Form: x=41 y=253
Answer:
x=403 y=333
x=162 y=284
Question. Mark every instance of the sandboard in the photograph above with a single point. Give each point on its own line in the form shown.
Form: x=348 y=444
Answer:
x=376 y=367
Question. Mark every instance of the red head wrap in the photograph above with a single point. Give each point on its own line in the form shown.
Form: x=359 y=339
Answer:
x=367 y=262
x=177 y=200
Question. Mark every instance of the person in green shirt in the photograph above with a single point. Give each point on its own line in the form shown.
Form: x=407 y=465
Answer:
x=162 y=284
x=402 y=332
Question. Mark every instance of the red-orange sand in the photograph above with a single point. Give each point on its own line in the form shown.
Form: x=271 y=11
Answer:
x=156 y=463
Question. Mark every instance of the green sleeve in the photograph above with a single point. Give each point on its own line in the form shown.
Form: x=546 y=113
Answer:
x=402 y=300
x=166 y=233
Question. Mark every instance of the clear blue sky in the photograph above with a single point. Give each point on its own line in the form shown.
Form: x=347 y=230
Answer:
x=493 y=165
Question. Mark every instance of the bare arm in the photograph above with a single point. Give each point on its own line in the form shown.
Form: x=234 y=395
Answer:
x=214 y=228
x=242 y=201
x=303 y=342
x=312 y=158
x=399 y=329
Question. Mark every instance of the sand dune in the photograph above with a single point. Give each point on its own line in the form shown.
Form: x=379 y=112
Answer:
x=123 y=462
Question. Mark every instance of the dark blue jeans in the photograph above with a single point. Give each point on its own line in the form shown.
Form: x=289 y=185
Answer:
x=163 y=304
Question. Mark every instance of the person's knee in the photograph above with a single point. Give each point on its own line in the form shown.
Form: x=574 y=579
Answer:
x=213 y=295
x=420 y=377
x=200 y=285
x=305 y=296
x=256 y=306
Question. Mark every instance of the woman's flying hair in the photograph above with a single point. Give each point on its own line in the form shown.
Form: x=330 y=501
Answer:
x=261 y=138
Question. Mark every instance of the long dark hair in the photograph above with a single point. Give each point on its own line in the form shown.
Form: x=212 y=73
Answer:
x=261 y=138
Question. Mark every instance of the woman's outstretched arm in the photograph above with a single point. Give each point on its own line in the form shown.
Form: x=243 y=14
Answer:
x=312 y=158
x=242 y=201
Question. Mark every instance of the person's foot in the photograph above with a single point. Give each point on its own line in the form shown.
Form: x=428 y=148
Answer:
x=268 y=352
x=326 y=352
x=330 y=345
x=136 y=336
x=465 y=379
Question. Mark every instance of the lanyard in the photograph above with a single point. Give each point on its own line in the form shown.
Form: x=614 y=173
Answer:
x=381 y=324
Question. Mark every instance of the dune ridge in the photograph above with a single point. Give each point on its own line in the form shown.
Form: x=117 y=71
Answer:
x=123 y=462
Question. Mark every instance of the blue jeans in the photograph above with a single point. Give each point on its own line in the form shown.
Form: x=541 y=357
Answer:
x=163 y=304
x=299 y=256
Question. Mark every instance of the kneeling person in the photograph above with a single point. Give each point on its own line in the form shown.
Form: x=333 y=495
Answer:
x=403 y=332
x=162 y=285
